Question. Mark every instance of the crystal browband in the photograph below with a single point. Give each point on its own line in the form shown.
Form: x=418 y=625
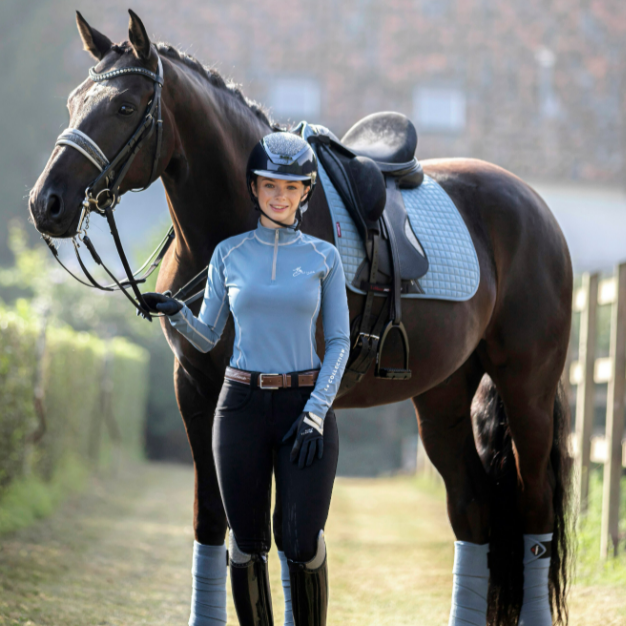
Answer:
x=96 y=77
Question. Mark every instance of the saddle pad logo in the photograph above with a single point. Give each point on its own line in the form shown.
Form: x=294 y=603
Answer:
x=298 y=271
x=538 y=550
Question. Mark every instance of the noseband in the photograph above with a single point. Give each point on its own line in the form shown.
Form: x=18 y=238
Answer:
x=102 y=195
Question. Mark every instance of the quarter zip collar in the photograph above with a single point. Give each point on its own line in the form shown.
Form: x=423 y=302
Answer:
x=275 y=236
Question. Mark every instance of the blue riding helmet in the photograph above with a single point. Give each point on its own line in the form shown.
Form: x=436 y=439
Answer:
x=285 y=156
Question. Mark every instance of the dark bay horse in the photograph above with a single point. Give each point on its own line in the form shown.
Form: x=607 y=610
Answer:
x=485 y=371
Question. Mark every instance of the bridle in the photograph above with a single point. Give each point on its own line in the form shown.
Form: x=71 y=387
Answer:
x=102 y=195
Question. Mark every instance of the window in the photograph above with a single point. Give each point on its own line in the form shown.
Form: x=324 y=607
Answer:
x=295 y=97
x=439 y=109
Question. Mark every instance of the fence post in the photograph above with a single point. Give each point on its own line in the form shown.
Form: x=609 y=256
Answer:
x=585 y=390
x=614 y=420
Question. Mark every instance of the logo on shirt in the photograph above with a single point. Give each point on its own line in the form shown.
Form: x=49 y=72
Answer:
x=299 y=272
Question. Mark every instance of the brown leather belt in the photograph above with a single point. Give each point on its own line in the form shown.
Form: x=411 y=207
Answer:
x=273 y=381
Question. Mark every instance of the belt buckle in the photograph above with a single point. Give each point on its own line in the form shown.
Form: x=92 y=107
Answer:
x=260 y=381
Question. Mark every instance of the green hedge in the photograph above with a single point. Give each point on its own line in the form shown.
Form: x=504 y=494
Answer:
x=18 y=336
x=94 y=397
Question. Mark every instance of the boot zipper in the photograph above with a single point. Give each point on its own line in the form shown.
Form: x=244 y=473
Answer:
x=275 y=254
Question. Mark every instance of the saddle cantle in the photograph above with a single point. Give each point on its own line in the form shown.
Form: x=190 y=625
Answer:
x=389 y=139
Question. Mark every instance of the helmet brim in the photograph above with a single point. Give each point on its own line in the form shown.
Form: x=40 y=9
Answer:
x=280 y=176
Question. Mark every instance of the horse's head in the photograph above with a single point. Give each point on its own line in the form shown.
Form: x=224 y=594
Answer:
x=107 y=112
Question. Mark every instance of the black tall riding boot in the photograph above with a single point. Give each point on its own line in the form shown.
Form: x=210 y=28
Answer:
x=309 y=588
x=251 y=587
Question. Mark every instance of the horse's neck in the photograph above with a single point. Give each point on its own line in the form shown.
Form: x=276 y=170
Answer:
x=205 y=177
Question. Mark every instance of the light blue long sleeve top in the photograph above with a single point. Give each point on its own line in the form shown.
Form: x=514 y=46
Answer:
x=275 y=282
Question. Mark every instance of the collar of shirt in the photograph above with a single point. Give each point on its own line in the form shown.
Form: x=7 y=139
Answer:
x=268 y=235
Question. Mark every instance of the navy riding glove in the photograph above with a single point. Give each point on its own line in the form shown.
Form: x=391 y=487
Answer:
x=159 y=302
x=309 y=433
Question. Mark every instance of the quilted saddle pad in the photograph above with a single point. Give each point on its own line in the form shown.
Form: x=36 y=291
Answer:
x=453 y=274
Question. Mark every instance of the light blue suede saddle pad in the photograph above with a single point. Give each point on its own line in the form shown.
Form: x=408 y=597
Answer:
x=453 y=272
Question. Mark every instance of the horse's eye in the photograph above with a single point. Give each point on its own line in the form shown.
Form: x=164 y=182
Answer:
x=126 y=109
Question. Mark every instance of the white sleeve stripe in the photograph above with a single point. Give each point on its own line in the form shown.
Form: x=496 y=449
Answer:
x=315 y=395
x=317 y=307
x=240 y=333
x=195 y=330
x=217 y=317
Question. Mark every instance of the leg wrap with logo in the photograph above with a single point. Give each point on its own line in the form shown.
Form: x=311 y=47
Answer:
x=251 y=587
x=471 y=584
x=309 y=588
x=536 y=606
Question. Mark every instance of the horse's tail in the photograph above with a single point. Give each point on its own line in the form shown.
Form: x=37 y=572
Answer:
x=506 y=543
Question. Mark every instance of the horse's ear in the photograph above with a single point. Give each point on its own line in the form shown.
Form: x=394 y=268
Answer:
x=138 y=37
x=94 y=42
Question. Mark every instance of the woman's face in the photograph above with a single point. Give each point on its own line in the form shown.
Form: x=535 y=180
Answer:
x=279 y=199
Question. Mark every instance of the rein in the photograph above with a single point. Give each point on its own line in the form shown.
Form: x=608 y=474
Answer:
x=102 y=195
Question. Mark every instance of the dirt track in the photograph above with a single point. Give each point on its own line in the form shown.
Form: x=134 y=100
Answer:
x=121 y=556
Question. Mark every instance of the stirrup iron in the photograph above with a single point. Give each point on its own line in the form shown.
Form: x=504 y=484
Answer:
x=393 y=373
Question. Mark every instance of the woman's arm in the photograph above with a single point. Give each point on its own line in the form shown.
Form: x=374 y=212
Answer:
x=336 y=322
x=204 y=331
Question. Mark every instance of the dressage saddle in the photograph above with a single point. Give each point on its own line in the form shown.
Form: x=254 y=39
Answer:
x=368 y=167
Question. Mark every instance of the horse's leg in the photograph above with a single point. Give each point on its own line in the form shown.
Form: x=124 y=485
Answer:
x=446 y=430
x=208 y=601
x=528 y=389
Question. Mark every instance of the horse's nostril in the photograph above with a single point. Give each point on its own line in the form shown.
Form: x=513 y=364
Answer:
x=54 y=207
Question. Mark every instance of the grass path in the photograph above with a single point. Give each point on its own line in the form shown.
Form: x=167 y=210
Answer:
x=121 y=556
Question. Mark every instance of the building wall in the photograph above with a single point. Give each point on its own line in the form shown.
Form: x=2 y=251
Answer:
x=537 y=87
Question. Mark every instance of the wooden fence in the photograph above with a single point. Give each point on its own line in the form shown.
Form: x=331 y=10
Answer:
x=585 y=373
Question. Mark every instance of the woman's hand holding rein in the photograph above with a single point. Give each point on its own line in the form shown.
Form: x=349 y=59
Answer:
x=160 y=303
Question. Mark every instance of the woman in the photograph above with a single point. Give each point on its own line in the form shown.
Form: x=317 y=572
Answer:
x=275 y=280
